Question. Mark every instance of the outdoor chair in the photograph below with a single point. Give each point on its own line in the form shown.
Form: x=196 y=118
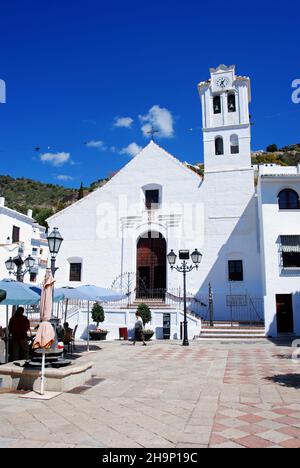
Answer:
x=70 y=342
x=73 y=347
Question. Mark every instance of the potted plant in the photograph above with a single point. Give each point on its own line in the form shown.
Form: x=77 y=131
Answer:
x=98 y=317
x=145 y=314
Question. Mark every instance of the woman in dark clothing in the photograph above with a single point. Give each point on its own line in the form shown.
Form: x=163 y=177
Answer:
x=19 y=326
x=139 y=330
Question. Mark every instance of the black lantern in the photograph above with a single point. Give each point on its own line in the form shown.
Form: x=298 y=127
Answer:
x=29 y=262
x=196 y=257
x=10 y=264
x=172 y=257
x=54 y=241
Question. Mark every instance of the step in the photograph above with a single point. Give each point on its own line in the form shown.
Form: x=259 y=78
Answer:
x=228 y=339
x=206 y=324
x=226 y=336
x=243 y=331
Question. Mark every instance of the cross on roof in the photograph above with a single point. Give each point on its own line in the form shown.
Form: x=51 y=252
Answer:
x=152 y=132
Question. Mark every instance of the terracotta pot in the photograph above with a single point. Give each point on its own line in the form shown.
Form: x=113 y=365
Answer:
x=148 y=335
x=97 y=335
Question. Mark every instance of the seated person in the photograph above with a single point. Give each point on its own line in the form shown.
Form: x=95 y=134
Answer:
x=67 y=333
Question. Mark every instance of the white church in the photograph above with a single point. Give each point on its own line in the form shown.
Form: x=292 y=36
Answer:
x=247 y=232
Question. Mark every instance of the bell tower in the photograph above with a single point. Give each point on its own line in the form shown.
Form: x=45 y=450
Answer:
x=225 y=99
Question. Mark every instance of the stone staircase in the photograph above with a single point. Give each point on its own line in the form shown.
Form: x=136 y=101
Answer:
x=225 y=331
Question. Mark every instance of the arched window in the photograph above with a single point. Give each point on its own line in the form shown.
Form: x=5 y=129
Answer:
x=231 y=103
x=219 y=144
x=217 y=105
x=234 y=144
x=288 y=199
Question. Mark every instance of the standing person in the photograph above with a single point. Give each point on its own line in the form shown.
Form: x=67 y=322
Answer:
x=19 y=326
x=139 y=330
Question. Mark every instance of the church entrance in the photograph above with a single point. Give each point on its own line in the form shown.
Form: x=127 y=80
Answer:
x=151 y=266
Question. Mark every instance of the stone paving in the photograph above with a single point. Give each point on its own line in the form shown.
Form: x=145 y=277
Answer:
x=163 y=396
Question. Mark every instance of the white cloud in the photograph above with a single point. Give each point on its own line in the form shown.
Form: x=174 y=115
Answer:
x=131 y=150
x=56 y=159
x=98 y=144
x=64 y=177
x=161 y=119
x=123 y=122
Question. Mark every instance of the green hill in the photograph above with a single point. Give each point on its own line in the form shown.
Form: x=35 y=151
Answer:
x=287 y=156
x=44 y=199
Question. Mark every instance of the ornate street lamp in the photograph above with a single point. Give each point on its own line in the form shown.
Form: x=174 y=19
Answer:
x=18 y=263
x=172 y=257
x=185 y=268
x=54 y=241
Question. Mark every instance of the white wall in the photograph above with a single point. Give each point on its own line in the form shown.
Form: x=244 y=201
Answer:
x=103 y=229
x=217 y=216
x=274 y=223
x=115 y=319
x=31 y=235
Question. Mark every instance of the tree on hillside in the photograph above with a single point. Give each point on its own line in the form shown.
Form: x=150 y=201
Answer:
x=41 y=215
x=272 y=148
x=81 y=192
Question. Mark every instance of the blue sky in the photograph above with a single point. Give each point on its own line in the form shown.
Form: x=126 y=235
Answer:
x=73 y=68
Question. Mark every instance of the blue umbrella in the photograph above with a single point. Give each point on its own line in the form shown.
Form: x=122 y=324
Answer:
x=72 y=294
x=98 y=294
x=58 y=296
x=75 y=294
x=101 y=294
x=89 y=293
x=18 y=293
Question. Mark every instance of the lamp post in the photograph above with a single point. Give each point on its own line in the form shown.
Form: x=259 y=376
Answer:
x=54 y=242
x=15 y=266
x=185 y=268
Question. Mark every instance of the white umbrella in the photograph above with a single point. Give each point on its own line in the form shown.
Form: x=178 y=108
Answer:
x=45 y=336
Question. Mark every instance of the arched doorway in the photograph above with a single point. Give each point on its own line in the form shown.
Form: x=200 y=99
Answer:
x=151 y=266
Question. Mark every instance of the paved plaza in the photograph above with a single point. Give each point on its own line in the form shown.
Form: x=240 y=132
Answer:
x=166 y=396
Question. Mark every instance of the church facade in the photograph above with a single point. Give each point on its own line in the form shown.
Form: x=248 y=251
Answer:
x=156 y=203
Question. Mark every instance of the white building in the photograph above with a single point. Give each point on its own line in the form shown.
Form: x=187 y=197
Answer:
x=19 y=231
x=279 y=214
x=155 y=204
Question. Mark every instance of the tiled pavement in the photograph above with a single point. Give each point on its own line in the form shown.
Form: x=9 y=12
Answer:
x=209 y=395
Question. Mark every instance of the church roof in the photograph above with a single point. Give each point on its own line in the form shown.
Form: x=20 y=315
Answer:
x=151 y=146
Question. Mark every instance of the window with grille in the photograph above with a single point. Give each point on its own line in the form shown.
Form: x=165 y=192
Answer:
x=236 y=270
x=290 y=252
x=288 y=199
x=75 y=271
x=33 y=277
x=152 y=199
x=15 y=234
